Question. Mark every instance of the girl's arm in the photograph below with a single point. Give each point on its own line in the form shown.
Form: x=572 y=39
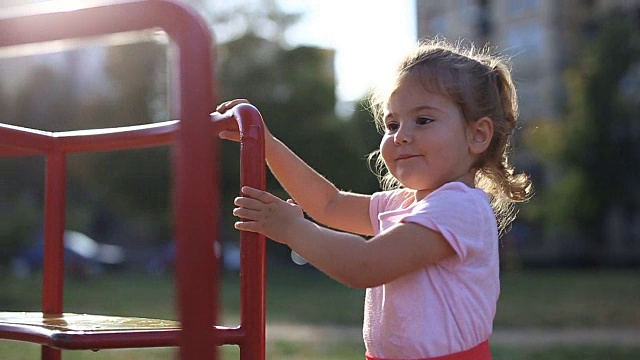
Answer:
x=347 y=258
x=316 y=195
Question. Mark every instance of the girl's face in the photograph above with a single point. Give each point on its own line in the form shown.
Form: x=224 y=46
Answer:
x=425 y=143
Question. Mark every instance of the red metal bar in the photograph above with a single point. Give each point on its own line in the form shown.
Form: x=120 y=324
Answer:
x=54 y=223
x=197 y=184
x=8 y=151
x=30 y=24
x=25 y=141
x=251 y=334
x=141 y=339
x=195 y=181
x=126 y=137
x=81 y=340
x=196 y=187
x=252 y=272
x=49 y=353
x=252 y=245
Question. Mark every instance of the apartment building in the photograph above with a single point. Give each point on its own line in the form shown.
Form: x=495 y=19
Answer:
x=543 y=38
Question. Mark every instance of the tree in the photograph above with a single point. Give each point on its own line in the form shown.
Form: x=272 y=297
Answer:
x=49 y=101
x=133 y=184
x=294 y=89
x=42 y=103
x=596 y=149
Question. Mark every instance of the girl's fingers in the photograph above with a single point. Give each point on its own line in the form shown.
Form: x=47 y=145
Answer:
x=246 y=226
x=248 y=203
x=246 y=213
x=229 y=104
x=223 y=107
x=229 y=135
x=260 y=195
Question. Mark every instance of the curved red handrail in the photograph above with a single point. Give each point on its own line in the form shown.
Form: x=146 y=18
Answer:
x=252 y=272
x=56 y=145
x=195 y=190
x=25 y=141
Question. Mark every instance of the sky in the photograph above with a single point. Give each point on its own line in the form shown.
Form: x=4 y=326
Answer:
x=368 y=36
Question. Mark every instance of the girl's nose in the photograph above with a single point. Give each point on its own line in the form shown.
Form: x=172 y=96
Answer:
x=402 y=135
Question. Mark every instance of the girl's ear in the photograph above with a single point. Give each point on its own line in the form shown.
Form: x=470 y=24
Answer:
x=479 y=135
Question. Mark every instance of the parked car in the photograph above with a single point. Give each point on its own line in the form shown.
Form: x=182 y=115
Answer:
x=163 y=259
x=83 y=256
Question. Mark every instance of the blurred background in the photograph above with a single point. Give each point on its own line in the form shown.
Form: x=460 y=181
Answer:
x=570 y=264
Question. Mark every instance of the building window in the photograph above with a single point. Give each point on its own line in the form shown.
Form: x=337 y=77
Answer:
x=522 y=7
x=526 y=40
x=438 y=25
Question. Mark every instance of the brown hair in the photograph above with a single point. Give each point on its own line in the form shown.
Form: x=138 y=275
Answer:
x=480 y=84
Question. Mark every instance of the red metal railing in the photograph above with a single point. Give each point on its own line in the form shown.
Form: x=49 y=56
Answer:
x=195 y=184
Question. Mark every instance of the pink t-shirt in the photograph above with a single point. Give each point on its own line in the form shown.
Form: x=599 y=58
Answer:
x=446 y=307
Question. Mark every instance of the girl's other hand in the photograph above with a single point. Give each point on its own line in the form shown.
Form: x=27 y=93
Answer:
x=267 y=214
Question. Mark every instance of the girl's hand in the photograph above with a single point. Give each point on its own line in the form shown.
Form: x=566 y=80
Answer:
x=267 y=214
x=233 y=133
x=227 y=105
x=230 y=134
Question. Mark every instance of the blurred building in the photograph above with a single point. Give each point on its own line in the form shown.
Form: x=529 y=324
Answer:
x=76 y=68
x=537 y=34
x=543 y=38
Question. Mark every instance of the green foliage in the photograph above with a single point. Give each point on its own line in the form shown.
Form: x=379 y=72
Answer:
x=294 y=90
x=49 y=101
x=21 y=198
x=592 y=155
x=18 y=226
x=141 y=173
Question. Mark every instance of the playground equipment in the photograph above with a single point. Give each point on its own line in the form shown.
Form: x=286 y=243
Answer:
x=195 y=192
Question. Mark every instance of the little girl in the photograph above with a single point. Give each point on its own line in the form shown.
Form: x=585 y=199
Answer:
x=431 y=265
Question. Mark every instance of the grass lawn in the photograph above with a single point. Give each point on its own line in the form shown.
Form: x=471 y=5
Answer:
x=570 y=298
x=546 y=298
x=336 y=351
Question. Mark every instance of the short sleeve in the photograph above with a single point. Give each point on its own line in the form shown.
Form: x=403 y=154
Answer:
x=385 y=201
x=461 y=214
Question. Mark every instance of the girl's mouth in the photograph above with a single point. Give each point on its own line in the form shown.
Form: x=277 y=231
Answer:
x=404 y=157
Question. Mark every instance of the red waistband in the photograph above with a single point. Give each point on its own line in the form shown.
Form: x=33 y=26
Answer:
x=479 y=352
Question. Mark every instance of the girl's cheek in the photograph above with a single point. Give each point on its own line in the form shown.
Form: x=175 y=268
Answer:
x=382 y=146
x=386 y=139
x=385 y=148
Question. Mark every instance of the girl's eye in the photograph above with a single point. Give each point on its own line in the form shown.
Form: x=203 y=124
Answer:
x=391 y=126
x=423 y=120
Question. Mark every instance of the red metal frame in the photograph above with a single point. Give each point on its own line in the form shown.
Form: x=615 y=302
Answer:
x=196 y=184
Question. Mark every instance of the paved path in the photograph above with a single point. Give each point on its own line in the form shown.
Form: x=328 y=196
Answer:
x=550 y=337
x=517 y=337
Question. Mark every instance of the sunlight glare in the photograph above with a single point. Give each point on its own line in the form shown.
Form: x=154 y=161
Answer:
x=65 y=5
